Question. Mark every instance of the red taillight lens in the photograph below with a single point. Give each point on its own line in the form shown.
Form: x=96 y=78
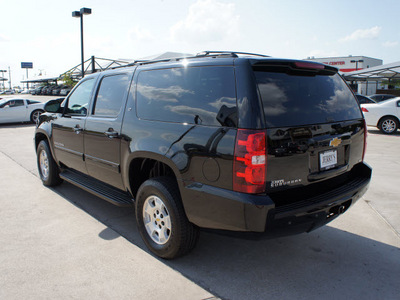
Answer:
x=249 y=166
x=309 y=65
x=365 y=139
x=364 y=109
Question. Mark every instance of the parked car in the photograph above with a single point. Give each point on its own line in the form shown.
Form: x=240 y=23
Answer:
x=31 y=90
x=381 y=97
x=195 y=143
x=384 y=115
x=65 y=90
x=56 y=91
x=8 y=92
x=364 y=99
x=20 y=110
x=47 y=89
x=43 y=89
x=37 y=90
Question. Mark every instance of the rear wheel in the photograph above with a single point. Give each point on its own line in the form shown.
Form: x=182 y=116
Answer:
x=47 y=167
x=161 y=219
x=388 y=125
x=35 y=115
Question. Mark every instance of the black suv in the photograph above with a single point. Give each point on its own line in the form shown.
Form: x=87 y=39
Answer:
x=224 y=141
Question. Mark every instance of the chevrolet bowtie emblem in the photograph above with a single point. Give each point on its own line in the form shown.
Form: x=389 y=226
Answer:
x=335 y=142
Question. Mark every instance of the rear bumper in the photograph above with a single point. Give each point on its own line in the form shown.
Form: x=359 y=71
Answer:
x=214 y=208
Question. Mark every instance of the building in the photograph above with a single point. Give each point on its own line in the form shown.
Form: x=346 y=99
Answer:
x=350 y=64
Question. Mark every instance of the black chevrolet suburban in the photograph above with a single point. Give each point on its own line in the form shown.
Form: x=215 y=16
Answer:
x=228 y=141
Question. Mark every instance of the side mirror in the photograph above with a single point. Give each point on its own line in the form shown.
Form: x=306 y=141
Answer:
x=54 y=106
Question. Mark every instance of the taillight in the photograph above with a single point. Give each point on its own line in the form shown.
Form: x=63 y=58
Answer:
x=365 y=139
x=249 y=166
x=309 y=65
x=364 y=109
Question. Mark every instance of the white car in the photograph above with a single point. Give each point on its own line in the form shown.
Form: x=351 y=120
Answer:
x=385 y=115
x=20 y=110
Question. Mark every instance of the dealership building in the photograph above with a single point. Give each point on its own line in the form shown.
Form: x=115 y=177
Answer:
x=351 y=63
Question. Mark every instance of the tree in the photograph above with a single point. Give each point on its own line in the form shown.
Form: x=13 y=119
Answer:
x=392 y=83
x=68 y=80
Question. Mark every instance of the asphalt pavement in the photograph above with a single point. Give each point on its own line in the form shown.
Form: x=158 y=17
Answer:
x=65 y=243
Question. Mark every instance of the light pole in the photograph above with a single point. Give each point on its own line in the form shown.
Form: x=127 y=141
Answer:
x=79 y=14
x=2 y=77
x=9 y=76
x=357 y=61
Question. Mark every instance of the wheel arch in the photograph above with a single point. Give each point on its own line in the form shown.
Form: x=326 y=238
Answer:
x=41 y=135
x=389 y=116
x=146 y=165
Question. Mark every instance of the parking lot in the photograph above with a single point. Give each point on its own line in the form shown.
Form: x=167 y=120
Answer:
x=65 y=243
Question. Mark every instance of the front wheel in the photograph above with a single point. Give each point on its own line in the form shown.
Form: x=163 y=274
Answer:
x=388 y=125
x=47 y=167
x=161 y=219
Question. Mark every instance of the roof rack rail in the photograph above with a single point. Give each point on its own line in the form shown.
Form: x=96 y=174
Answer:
x=135 y=62
x=230 y=53
x=198 y=55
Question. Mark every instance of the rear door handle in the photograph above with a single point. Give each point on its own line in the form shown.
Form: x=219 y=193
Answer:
x=111 y=133
x=78 y=129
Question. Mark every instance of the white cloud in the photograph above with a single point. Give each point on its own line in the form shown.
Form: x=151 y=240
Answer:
x=140 y=35
x=207 y=21
x=362 y=34
x=390 y=44
x=322 y=53
x=4 y=38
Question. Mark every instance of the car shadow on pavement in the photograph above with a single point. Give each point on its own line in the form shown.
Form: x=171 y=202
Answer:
x=377 y=131
x=16 y=125
x=328 y=263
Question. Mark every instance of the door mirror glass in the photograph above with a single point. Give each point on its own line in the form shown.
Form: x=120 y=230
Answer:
x=54 y=106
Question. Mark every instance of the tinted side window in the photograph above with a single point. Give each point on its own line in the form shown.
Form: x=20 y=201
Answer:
x=291 y=100
x=15 y=103
x=78 y=102
x=198 y=95
x=110 y=95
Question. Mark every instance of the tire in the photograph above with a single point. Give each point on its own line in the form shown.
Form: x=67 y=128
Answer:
x=388 y=125
x=47 y=167
x=161 y=219
x=35 y=115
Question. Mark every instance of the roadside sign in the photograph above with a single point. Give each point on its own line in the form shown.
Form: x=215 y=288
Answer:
x=26 y=65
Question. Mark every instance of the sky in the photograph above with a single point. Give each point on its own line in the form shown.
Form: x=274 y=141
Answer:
x=45 y=33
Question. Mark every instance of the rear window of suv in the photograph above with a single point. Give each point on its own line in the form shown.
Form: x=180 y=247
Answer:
x=291 y=99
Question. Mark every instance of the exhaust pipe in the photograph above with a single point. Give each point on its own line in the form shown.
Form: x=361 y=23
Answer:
x=341 y=209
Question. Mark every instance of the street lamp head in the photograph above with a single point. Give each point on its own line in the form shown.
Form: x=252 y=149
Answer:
x=86 y=11
x=76 y=14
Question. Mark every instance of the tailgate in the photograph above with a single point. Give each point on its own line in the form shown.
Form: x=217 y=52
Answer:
x=315 y=128
x=300 y=156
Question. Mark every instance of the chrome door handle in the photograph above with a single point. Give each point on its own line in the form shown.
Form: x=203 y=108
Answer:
x=111 y=134
x=78 y=129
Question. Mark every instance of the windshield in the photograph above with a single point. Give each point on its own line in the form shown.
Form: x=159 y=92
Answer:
x=292 y=100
